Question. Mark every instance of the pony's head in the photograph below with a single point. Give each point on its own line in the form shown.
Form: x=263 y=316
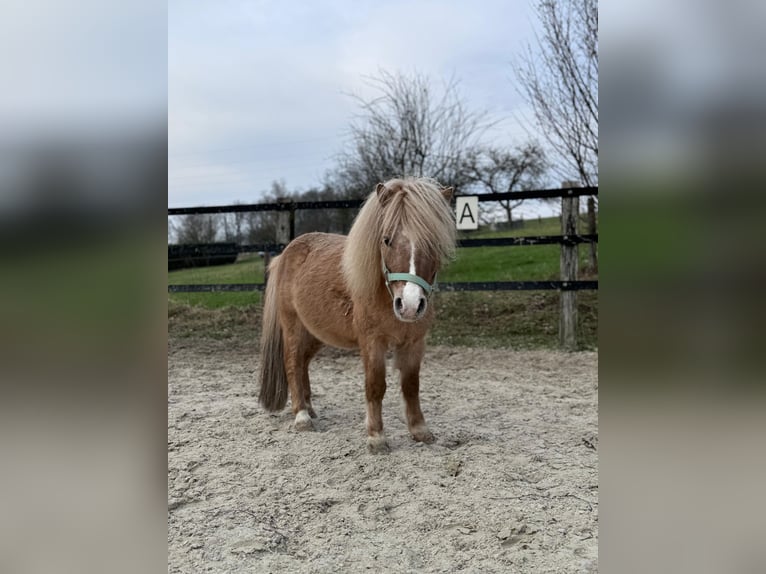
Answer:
x=403 y=234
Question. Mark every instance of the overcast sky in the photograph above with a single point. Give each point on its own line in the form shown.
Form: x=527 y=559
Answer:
x=258 y=89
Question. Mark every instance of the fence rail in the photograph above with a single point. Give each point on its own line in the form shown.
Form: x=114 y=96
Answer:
x=225 y=250
x=353 y=203
x=459 y=286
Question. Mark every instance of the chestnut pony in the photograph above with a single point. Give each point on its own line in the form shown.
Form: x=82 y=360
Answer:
x=369 y=291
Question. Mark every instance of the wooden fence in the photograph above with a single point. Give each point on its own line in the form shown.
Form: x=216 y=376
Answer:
x=569 y=240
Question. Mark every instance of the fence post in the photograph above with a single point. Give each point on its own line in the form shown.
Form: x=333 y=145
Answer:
x=570 y=208
x=266 y=262
x=593 y=253
x=285 y=231
x=285 y=222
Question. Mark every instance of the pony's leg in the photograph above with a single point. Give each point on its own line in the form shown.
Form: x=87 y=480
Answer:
x=374 y=358
x=407 y=360
x=299 y=347
x=311 y=346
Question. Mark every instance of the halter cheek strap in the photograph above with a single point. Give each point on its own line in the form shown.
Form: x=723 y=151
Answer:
x=390 y=277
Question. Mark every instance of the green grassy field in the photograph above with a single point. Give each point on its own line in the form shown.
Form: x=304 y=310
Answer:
x=247 y=269
x=498 y=319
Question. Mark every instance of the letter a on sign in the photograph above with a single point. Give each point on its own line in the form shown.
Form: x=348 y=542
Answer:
x=467 y=212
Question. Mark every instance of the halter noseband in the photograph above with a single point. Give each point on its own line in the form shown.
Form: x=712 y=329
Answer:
x=389 y=277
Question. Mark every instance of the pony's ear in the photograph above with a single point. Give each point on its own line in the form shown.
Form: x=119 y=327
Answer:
x=448 y=192
x=384 y=193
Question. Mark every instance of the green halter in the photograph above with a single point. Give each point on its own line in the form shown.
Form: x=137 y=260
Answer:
x=389 y=277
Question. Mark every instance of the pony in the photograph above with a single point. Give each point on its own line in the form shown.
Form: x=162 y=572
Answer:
x=369 y=291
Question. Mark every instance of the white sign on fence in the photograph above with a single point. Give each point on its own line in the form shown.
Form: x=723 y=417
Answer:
x=467 y=212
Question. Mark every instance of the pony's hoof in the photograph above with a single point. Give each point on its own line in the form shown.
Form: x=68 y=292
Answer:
x=303 y=422
x=312 y=412
x=377 y=445
x=422 y=434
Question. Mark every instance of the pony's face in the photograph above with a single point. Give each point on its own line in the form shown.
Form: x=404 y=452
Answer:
x=400 y=255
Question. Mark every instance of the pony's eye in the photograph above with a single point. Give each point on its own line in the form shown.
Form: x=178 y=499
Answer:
x=387 y=241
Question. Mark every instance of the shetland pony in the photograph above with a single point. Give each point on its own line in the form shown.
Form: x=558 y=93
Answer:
x=369 y=291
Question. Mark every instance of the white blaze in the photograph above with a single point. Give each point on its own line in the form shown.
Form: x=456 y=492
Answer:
x=412 y=292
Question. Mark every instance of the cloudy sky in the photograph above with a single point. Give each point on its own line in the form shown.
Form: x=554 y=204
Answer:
x=258 y=90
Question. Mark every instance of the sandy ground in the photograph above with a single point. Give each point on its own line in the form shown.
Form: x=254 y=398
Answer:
x=511 y=485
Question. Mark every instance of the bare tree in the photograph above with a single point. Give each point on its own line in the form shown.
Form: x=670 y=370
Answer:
x=196 y=228
x=561 y=85
x=494 y=170
x=233 y=226
x=325 y=220
x=261 y=226
x=560 y=82
x=239 y=227
x=408 y=129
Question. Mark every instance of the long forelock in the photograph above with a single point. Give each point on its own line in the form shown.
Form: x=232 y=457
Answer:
x=417 y=210
x=422 y=215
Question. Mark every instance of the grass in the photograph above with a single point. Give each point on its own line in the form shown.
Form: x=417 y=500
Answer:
x=503 y=264
x=520 y=320
x=247 y=269
x=543 y=226
x=491 y=319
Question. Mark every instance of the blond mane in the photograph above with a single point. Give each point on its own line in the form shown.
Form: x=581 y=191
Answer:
x=413 y=206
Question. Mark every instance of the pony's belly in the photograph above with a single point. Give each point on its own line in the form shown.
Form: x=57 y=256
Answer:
x=334 y=339
x=330 y=321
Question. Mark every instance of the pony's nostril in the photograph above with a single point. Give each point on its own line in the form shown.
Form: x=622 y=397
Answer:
x=421 y=305
x=398 y=304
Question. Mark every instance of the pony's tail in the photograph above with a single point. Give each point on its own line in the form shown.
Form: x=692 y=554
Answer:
x=273 y=394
